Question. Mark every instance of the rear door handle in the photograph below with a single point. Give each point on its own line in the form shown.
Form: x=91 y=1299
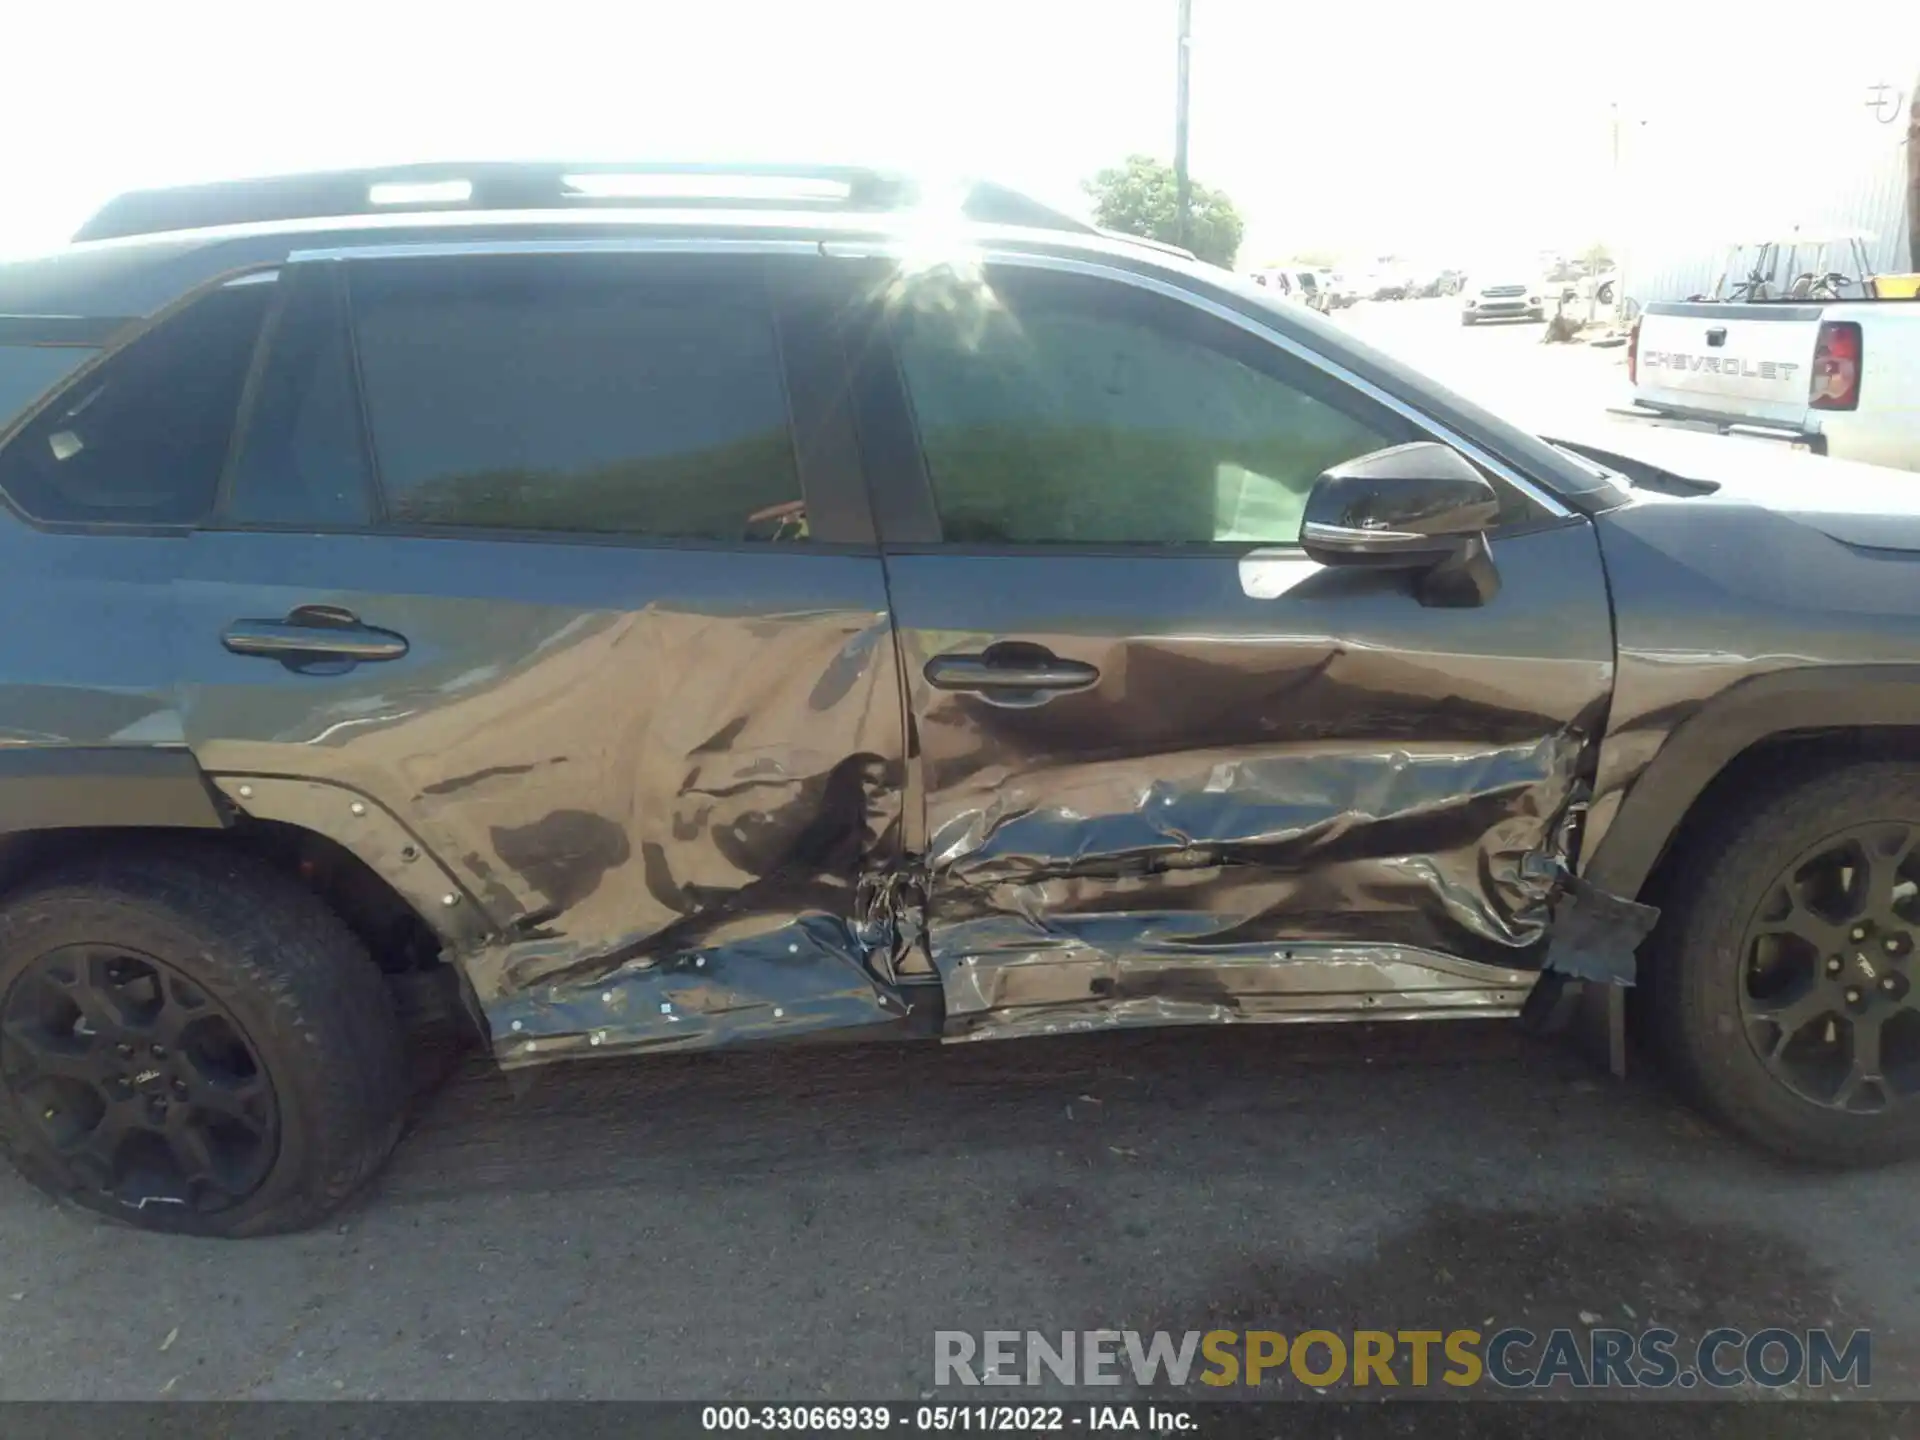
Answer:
x=314 y=632
x=1717 y=335
x=1010 y=667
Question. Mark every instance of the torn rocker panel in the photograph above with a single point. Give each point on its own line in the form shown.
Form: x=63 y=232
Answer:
x=1349 y=885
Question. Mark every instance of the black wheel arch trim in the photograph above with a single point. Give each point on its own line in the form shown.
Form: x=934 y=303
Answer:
x=69 y=787
x=1763 y=707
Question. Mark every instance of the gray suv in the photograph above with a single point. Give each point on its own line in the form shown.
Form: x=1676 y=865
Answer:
x=640 y=608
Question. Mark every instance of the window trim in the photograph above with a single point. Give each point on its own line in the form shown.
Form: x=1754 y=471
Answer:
x=562 y=245
x=904 y=501
x=331 y=284
x=263 y=344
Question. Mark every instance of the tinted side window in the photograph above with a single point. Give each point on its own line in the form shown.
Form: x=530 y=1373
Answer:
x=599 y=396
x=28 y=371
x=1066 y=410
x=142 y=438
x=302 y=460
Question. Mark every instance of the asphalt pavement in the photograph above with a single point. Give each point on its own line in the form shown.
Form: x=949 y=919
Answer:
x=797 y=1224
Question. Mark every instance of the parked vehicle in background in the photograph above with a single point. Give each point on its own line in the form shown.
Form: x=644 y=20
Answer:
x=1600 y=285
x=1392 y=284
x=637 y=626
x=1305 y=287
x=1342 y=291
x=1505 y=291
x=1838 y=377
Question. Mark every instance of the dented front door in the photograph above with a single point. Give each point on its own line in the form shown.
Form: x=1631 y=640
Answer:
x=1172 y=770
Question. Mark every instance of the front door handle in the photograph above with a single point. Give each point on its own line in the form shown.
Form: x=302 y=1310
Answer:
x=1010 y=668
x=314 y=632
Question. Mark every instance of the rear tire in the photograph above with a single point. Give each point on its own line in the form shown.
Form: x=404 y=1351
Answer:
x=282 y=1083
x=1791 y=958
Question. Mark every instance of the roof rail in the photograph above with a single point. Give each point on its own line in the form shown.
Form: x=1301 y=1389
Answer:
x=1163 y=246
x=506 y=185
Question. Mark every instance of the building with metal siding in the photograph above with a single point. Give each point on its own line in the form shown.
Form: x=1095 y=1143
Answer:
x=1696 y=176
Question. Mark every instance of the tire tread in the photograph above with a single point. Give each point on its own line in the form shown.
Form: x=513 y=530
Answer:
x=268 y=943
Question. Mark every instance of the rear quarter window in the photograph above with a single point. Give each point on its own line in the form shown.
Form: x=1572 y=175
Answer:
x=29 y=371
x=141 y=438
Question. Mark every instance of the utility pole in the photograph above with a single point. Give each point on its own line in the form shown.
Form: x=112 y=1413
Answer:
x=1182 y=189
x=1613 y=223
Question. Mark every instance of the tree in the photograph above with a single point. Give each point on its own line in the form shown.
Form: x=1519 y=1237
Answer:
x=1139 y=197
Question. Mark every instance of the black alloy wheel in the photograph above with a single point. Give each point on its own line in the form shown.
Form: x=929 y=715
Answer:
x=1828 y=996
x=146 y=1086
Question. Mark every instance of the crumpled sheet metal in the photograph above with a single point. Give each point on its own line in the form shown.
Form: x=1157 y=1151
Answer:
x=1441 y=852
x=712 y=826
x=800 y=978
x=711 y=817
x=1595 y=935
x=1099 y=976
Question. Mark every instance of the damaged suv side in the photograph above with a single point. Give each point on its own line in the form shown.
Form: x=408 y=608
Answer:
x=677 y=627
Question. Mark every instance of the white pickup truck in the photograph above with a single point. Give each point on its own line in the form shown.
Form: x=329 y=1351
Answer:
x=1839 y=377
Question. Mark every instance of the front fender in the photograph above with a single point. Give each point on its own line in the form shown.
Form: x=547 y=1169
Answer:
x=1647 y=813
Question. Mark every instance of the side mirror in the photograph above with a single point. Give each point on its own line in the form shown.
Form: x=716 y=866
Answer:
x=1420 y=507
x=1405 y=508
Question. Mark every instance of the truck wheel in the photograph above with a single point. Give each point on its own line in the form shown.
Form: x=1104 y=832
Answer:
x=193 y=1042
x=1786 y=985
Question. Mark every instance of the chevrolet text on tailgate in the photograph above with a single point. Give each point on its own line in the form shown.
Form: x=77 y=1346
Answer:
x=1677 y=365
x=601 y=625
x=1839 y=377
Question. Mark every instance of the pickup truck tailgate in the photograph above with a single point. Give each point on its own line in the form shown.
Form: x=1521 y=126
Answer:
x=1752 y=361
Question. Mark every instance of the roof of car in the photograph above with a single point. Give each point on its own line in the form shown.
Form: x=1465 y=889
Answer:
x=144 y=249
x=145 y=252
x=456 y=187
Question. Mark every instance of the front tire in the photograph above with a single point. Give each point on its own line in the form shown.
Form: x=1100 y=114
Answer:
x=1786 y=988
x=192 y=1042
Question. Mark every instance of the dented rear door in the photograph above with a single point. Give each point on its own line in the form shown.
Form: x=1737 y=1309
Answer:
x=1169 y=769
x=574 y=631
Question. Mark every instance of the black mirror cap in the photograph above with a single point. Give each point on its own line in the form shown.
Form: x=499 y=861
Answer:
x=1403 y=507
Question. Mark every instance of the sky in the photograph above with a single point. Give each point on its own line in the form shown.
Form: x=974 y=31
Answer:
x=1427 y=131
